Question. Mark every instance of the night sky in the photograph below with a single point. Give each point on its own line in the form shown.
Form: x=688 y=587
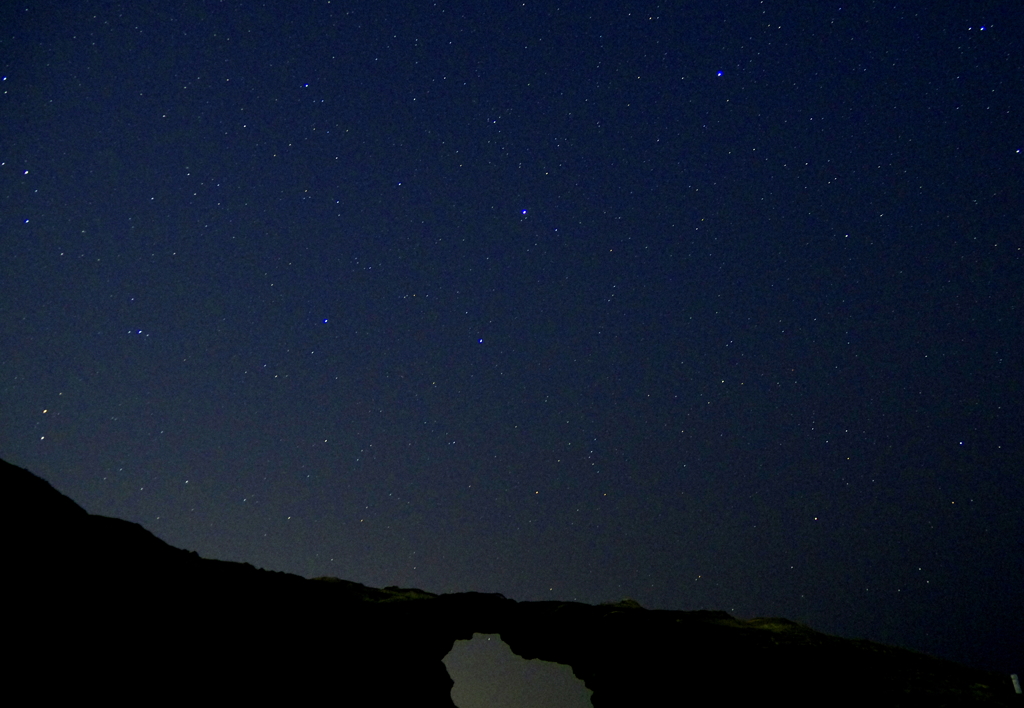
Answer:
x=709 y=305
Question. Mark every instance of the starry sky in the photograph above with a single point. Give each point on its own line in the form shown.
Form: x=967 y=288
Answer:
x=709 y=305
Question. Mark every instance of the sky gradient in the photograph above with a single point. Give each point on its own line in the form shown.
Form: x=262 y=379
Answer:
x=706 y=305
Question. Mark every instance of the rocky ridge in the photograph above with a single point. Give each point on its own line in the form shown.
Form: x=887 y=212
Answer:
x=101 y=606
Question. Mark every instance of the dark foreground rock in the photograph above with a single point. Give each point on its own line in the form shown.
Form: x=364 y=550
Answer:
x=101 y=607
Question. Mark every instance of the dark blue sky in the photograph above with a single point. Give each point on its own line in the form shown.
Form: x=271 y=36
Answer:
x=711 y=306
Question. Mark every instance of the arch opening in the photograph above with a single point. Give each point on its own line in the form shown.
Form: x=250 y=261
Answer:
x=488 y=675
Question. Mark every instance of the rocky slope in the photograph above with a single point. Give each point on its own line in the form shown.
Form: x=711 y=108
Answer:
x=102 y=607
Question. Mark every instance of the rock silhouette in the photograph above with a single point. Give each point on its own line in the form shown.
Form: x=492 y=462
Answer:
x=103 y=608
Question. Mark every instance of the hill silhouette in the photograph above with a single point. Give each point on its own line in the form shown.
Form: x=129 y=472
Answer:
x=101 y=606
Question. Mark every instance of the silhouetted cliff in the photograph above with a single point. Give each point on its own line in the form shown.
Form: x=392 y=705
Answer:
x=102 y=607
